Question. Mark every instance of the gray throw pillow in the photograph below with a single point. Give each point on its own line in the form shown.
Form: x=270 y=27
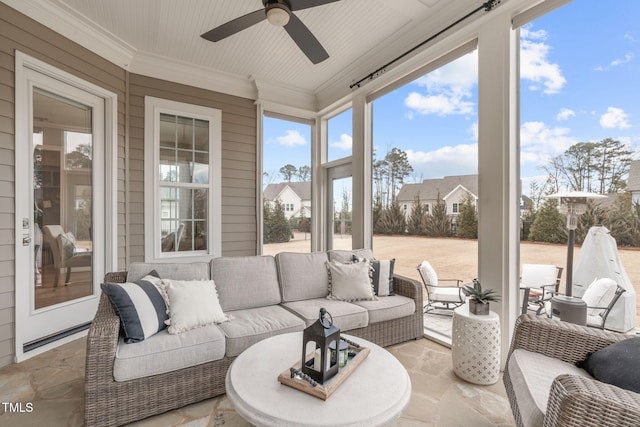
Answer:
x=616 y=364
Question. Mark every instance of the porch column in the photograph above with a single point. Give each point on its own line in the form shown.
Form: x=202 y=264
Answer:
x=361 y=227
x=498 y=168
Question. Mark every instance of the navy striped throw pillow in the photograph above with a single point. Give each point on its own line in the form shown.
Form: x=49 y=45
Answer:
x=140 y=305
x=383 y=277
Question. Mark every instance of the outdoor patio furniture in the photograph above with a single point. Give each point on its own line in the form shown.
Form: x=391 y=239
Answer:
x=601 y=296
x=63 y=251
x=539 y=283
x=545 y=387
x=440 y=297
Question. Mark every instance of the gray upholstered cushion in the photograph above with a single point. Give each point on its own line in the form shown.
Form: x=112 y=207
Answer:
x=302 y=276
x=162 y=352
x=345 y=315
x=347 y=256
x=247 y=327
x=388 y=308
x=532 y=374
x=245 y=281
x=172 y=270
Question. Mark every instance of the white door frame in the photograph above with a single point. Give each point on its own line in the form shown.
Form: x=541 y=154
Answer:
x=27 y=71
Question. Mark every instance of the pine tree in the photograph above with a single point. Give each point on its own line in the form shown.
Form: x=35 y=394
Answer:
x=416 y=222
x=468 y=218
x=549 y=225
x=392 y=220
x=438 y=223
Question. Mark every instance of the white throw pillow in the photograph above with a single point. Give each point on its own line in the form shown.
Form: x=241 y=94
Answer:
x=599 y=294
x=350 y=282
x=192 y=304
x=428 y=274
x=66 y=245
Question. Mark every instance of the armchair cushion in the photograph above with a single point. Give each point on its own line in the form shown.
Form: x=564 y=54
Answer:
x=428 y=274
x=616 y=364
x=532 y=375
x=66 y=245
x=599 y=294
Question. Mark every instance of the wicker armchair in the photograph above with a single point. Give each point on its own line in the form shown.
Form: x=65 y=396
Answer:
x=573 y=400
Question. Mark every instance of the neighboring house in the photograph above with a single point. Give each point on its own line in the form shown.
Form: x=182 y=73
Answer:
x=633 y=182
x=294 y=196
x=451 y=189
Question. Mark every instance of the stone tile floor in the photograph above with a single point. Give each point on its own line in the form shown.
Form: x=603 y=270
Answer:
x=53 y=384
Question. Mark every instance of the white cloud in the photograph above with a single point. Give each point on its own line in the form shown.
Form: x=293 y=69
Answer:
x=614 y=118
x=345 y=143
x=291 y=138
x=617 y=62
x=535 y=65
x=565 y=114
x=539 y=142
x=448 y=89
x=451 y=160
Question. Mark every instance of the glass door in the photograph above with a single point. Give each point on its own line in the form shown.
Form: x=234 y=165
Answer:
x=339 y=207
x=59 y=218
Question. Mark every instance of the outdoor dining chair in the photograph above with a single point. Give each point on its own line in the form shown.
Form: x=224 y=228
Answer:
x=440 y=297
x=539 y=283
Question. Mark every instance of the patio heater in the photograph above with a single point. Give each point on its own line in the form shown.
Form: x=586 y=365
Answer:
x=566 y=307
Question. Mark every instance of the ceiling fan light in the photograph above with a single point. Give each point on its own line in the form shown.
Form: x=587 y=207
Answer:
x=277 y=15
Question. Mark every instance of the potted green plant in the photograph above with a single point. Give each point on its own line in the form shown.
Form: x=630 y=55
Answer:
x=479 y=302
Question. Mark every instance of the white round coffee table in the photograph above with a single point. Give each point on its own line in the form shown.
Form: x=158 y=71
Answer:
x=475 y=346
x=375 y=394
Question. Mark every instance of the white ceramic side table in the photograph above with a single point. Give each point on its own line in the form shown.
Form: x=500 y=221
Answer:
x=475 y=346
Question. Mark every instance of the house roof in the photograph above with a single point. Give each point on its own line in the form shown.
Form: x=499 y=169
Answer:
x=302 y=189
x=161 y=38
x=429 y=188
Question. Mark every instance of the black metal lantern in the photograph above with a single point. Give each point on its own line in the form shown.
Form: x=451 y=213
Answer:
x=323 y=333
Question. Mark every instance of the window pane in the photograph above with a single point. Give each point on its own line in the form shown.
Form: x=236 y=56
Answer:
x=167 y=131
x=184 y=219
x=201 y=168
x=201 y=136
x=339 y=130
x=168 y=170
x=286 y=186
x=185 y=163
x=184 y=133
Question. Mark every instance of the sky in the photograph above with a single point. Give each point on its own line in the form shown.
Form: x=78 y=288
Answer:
x=580 y=68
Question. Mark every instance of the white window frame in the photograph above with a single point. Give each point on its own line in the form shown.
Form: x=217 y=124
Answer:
x=153 y=108
x=455 y=208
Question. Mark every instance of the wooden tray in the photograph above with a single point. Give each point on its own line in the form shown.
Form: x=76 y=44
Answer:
x=323 y=391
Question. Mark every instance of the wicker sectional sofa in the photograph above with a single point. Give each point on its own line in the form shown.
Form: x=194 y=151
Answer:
x=264 y=296
x=544 y=386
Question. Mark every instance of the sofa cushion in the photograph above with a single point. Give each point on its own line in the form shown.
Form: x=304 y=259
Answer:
x=531 y=375
x=247 y=327
x=191 y=304
x=389 y=308
x=342 y=255
x=172 y=270
x=245 y=281
x=616 y=364
x=140 y=306
x=350 y=281
x=165 y=353
x=345 y=315
x=302 y=276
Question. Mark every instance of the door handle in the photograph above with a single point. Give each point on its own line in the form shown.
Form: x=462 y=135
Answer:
x=26 y=240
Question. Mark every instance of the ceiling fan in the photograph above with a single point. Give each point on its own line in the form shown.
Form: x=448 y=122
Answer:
x=280 y=14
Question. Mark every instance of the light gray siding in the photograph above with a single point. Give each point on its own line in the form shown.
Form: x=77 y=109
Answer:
x=18 y=32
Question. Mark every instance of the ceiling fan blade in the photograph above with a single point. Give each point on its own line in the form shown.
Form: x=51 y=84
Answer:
x=306 y=4
x=305 y=40
x=235 y=26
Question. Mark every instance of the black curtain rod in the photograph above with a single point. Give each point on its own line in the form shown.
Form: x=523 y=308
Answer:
x=487 y=6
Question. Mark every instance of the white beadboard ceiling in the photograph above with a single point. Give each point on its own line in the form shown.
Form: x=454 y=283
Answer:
x=359 y=36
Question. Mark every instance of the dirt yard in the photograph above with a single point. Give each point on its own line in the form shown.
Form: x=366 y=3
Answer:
x=457 y=258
